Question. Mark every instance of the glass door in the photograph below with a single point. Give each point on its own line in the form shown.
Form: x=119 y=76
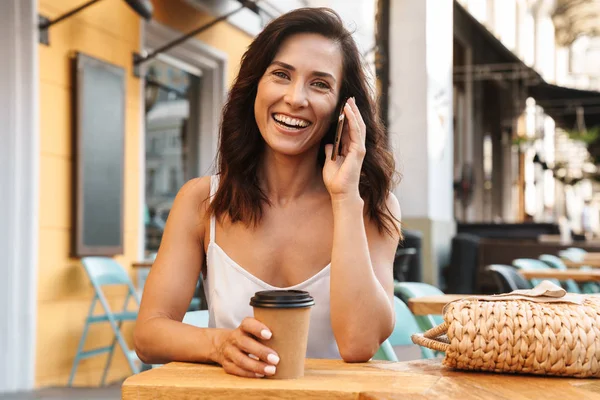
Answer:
x=172 y=93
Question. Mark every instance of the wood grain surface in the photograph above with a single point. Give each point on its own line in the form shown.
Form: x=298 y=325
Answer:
x=334 y=379
x=432 y=304
x=576 y=275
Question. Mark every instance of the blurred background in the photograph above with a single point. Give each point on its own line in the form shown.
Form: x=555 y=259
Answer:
x=492 y=109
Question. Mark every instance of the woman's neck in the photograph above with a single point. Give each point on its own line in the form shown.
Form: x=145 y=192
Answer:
x=286 y=178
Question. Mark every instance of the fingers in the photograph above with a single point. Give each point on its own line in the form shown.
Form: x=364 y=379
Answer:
x=242 y=360
x=352 y=131
x=328 y=150
x=250 y=346
x=231 y=368
x=255 y=328
x=360 y=123
x=248 y=353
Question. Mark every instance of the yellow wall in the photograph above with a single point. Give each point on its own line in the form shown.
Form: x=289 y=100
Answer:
x=108 y=30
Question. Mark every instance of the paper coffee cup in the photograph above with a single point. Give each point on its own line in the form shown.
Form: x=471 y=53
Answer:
x=287 y=314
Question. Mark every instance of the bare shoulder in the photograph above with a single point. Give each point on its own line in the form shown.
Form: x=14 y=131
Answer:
x=392 y=209
x=193 y=197
x=198 y=188
x=393 y=205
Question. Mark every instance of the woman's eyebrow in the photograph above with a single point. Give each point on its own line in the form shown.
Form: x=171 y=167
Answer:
x=292 y=68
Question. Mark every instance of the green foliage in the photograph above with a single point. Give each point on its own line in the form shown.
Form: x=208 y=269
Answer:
x=588 y=136
x=520 y=140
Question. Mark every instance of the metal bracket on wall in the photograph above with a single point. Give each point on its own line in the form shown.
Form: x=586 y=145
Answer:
x=139 y=59
x=44 y=36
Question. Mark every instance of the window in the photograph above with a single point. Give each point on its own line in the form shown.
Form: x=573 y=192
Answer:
x=171 y=91
x=150 y=180
x=173 y=184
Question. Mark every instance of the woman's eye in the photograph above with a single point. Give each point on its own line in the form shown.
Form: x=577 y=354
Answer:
x=321 y=85
x=280 y=74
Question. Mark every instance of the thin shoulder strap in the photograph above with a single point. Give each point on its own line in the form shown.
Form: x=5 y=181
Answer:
x=214 y=185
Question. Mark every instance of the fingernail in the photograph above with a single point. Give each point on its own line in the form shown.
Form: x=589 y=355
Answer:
x=270 y=370
x=273 y=359
x=252 y=356
x=266 y=334
x=259 y=375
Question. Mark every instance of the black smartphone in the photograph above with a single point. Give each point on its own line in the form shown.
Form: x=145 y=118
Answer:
x=338 y=133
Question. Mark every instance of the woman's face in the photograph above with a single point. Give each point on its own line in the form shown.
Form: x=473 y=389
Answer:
x=298 y=93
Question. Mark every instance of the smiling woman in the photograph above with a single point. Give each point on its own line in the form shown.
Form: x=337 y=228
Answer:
x=280 y=214
x=298 y=93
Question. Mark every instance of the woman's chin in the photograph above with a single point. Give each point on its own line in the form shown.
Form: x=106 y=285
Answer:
x=289 y=149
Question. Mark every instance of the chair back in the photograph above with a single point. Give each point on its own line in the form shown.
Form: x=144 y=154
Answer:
x=402 y=261
x=405 y=327
x=529 y=263
x=507 y=278
x=577 y=250
x=409 y=290
x=105 y=271
x=553 y=262
x=533 y=264
x=461 y=274
x=417 y=289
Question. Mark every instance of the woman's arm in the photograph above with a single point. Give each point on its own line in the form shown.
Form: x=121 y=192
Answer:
x=362 y=258
x=362 y=287
x=159 y=335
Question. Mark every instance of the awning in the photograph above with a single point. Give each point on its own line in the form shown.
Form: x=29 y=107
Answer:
x=492 y=60
x=497 y=62
x=562 y=104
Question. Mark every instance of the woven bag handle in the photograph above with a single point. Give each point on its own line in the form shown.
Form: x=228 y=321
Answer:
x=433 y=338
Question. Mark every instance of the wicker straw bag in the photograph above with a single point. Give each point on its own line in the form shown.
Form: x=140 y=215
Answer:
x=543 y=331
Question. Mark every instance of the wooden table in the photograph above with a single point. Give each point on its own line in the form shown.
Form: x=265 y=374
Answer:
x=587 y=262
x=432 y=304
x=142 y=264
x=576 y=275
x=334 y=379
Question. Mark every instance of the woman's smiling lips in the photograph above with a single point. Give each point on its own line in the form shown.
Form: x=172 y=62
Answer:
x=290 y=125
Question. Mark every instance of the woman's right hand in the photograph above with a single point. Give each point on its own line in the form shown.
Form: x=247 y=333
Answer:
x=240 y=353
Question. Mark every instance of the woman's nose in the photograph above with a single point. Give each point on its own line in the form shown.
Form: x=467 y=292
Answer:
x=296 y=96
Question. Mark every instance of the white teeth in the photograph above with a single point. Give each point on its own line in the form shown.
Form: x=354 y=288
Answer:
x=300 y=123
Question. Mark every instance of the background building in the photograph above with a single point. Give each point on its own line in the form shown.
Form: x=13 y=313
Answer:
x=488 y=99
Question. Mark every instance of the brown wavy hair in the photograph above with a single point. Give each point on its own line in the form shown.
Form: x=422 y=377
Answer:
x=241 y=145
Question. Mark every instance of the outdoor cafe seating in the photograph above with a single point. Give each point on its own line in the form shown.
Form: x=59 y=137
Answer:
x=419 y=308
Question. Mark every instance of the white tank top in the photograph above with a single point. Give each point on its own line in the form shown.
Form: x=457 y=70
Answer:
x=229 y=287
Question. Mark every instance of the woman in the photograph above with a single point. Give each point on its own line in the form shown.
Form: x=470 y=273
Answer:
x=280 y=213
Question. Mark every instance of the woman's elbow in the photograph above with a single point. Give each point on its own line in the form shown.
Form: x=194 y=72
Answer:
x=142 y=346
x=358 y=353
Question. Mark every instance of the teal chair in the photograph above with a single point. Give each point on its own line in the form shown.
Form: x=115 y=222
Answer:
x=106 y=271
x=409 y=290
x=405 y=326
x=556 y=262
x=576 y=251
x=533 y=264
x=571 y=255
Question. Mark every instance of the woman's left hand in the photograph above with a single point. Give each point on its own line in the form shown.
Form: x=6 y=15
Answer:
x=342 y=176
